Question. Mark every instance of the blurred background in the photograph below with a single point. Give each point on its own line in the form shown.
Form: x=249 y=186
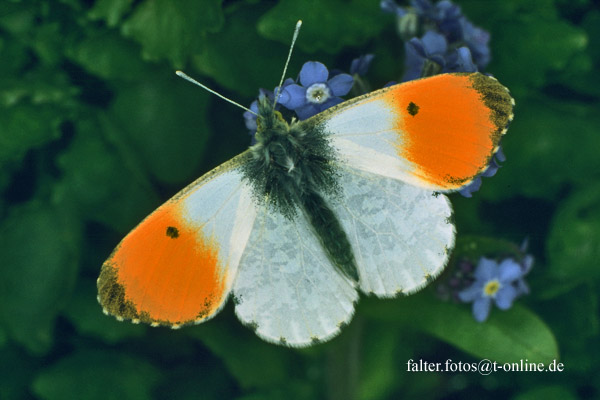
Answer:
x=96 y=131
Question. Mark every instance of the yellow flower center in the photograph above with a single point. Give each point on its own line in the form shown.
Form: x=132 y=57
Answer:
x=491 y=288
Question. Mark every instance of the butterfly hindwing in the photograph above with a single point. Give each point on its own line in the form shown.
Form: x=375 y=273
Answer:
x=286 y=289
x=178 y=265
x=401 y=234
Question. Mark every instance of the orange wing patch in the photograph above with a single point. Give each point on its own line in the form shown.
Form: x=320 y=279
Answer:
x=165 y=272
x=450 y=125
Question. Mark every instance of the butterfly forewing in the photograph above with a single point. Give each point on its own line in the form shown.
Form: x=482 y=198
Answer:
x=436 y=133
x=178 y=265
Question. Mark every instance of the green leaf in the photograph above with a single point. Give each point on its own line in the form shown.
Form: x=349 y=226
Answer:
x=588 y=81
x=100 y=181
x=574 y=240
x=506 y=336
x=522 y=54
x=48 y=41
x=552 y=392
x=290 y=390
x=253 y=362
x=11 y=49
x=40 y=249
x=474 y=247
x=97 y=375
x=107 y=55
x=575 y=320
x=327 y=25
x=3 y=337
x=173 y=29
x=86 y=315
x=26 y=127
x=16 y=371
x=379 y=374
x=17 y=18
x=111 y=11
x=164 y=120
x=241 y=60
x=47 y=91
x=591 y=25
x=539 y=146
x=183 y=382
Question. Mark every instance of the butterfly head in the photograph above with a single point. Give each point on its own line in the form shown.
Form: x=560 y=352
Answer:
x=270 y=122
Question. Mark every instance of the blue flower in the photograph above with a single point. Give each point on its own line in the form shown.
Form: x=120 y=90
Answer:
x=431 y=47
x=466 y=46
x=447 y=17
x=493 y=283
x=477 y=41
x=430 y=55
x=360 y=66
x=520 y=284
x=460 y=60
x=250 y=118
x=316 y=92
x=526 y=265
x=491 y=170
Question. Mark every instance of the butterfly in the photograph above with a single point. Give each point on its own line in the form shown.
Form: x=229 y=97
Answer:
x=350 y=200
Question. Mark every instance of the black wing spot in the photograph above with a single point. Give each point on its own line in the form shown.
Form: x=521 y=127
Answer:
x=412 y=108
x=172 y=232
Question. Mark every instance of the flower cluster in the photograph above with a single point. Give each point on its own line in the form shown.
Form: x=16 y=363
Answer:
x=488 y=282
x=317 y=90
x=439 y=39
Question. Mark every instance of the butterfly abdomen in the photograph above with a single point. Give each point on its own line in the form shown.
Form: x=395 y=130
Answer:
x=330 y=233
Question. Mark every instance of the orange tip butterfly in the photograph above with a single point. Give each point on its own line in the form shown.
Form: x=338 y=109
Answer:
x=316 y=211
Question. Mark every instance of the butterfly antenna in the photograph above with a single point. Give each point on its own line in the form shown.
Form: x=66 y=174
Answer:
x=195 y=82
x=296 y=32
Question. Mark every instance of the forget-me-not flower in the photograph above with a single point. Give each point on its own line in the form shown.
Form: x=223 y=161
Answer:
x=446 y=18
x=317 y=90
x=494 y=283
x=491 y=170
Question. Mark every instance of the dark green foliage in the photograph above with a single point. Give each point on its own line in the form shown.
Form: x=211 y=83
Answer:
x=96 y=131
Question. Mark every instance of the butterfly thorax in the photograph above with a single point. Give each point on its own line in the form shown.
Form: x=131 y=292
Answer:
x=292 y=169
x=289 y=160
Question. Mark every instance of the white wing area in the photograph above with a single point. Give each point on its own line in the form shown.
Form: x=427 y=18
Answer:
x=365 y=135
x=401 y=234
x=224 y=211
x=286 y=287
